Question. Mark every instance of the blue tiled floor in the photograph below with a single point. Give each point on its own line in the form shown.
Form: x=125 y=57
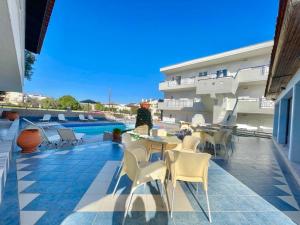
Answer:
x=61 y=180
x=256 y=163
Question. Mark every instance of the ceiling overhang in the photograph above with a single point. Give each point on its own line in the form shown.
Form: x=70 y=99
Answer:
x=285 y=58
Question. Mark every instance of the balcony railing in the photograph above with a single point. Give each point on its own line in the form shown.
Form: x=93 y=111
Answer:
x=176 y=104
x=266 y=104
x=184 y=81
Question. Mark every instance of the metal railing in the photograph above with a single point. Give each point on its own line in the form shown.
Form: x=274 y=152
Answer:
x=178 y=103
x=266 y=104
x=263 y=102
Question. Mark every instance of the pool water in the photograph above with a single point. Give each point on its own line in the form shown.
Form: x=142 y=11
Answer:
x=99 y=129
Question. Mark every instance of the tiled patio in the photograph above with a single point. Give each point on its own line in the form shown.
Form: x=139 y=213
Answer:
x=74 y=186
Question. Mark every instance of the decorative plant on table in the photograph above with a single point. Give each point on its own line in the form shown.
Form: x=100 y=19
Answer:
x=117 y=135
x=144 y=116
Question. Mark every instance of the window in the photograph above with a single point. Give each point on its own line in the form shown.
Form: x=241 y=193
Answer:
x=203 y=74
x=222 y=73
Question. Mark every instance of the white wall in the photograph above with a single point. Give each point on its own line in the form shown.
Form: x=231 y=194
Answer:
x=232 y=67
x=12 y=43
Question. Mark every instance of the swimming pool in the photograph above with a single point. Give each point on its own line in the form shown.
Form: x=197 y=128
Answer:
x=97 y=129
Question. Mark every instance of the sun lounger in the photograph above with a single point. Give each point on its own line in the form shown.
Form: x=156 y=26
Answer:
x=82 y=118
x=46 y=118
x=68 y=136
x=90 y=117
x=61 y=118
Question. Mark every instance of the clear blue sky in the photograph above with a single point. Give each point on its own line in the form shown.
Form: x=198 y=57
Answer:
x=93 y=46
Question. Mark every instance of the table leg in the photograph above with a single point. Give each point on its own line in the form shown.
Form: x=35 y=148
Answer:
x=162 y=152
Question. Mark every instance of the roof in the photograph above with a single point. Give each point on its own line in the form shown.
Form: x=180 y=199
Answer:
x=285 y=54
x=38 y=13
x=237 y=54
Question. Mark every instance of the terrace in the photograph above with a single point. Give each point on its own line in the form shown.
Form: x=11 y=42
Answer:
x=74 y=185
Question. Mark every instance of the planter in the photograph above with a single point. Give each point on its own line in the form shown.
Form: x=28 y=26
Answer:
x=11 y=115
x=145 y=105
x=117 y=136
x=29 y=140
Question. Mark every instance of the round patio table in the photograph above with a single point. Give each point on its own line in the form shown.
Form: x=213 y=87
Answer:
x=164 y=141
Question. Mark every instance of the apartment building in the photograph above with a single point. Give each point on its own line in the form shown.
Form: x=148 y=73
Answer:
x=230 y=82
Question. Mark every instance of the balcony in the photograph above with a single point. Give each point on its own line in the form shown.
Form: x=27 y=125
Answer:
x=255 y=105
x=219 y=85
x=176 y=104
x=183 y=84
x=213 y=84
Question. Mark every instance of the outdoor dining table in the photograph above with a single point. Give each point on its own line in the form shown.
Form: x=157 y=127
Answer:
x=163 y=141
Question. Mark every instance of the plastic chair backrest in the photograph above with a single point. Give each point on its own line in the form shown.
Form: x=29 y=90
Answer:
x=126 y=138
x=189 y=166
x=190 y=142
x=142 y=129
x=90 y=117
x=198 y=120
x=130 y=165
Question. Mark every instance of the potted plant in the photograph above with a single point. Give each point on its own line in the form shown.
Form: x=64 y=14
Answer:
x=10 y=115
x=29 y=140
x=117 y=135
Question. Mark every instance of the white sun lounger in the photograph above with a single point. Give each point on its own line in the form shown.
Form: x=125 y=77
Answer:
x=90 y=117
x=46 y=118
x=61 y=118
x=82 y=118
x=67 y=135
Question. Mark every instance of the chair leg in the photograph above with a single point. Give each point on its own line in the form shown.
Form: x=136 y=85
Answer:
x=127 y=208
x=215 y=150
x=117 y=184
x=120 y=167
x=208 y=207
x=172 y=205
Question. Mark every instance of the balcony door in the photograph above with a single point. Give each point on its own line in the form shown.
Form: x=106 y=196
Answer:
x=178 y=80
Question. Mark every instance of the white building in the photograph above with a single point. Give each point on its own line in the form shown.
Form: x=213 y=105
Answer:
x=232 y=81
x=23 y=25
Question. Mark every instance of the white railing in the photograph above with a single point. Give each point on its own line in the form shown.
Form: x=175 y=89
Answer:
x=263 y=102
x=184 y=81
x=178 y=103
x=266 y=104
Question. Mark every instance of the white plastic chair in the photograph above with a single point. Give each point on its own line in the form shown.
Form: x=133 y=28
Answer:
x=218 y=138
x=189 y=167
x=139 y=147
x=189 y=143
x=82 y=118
x=140 y=174
x=68 y=135
x=61 y=118
x=46 y=118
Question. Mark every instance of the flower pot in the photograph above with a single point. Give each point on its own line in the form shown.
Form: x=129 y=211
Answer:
x=145 y=105
x=29 y=140
x=117 y=137
x=10 y=115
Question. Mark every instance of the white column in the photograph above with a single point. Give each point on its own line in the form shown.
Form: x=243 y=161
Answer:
x=294 y=148
x=275 y=121
x=282 y=121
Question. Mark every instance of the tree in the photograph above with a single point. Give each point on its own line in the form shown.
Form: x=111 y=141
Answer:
x=49 y=103
x=99 y=106
x=29 y=61
x=68 y=101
